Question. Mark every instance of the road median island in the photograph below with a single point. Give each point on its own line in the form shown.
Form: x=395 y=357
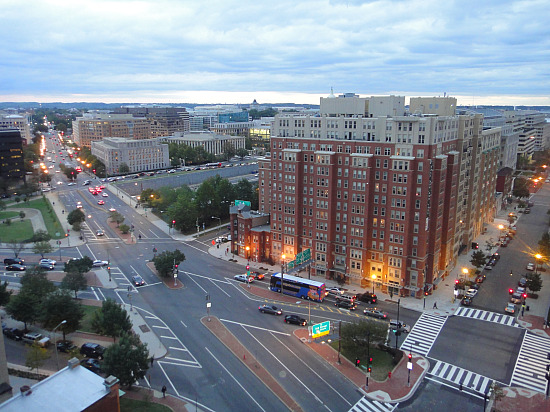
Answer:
x=168 y=282
x=239 y=350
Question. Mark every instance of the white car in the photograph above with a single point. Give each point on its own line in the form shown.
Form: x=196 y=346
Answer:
x=471 y=293
x=530 y=266
x=99 y=263
x=243 y=278
x=112 y=209
x=71 y=184
x=510 y=308
x=48 y=261
x=335 y=291
x=105 y=194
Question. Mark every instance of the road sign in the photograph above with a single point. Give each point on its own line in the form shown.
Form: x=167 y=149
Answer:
x=409 y=366
x=298 y=259
x=290 y=265
x=320 y=329
x=306 y=255
x=242 y=202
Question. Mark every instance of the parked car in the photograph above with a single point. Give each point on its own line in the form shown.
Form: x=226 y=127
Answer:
x=92 y=350
x=530 y=266
x=522 y=282
x=488 y=266
x=367 y=297
x=16 y=267
x=527 y=211
x=92 y=364
x=65 y=346
x=375 y=313
x=273 y=310
x=466 y=301
x=296 y=320
x=32 y=337
x=344 y=304
x=13 y=261
x=13 y=333
x=510 y=308
x=471 y=292
x=138 y=280
x=516 y=298
x=480 y=278
x=50 y=261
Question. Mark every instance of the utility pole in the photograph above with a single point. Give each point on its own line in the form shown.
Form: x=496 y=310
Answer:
x=397 y=332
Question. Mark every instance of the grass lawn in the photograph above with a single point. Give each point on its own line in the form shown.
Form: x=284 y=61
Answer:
x=86 y=323
x=53 y=225
x=17 y=231
x=382 y=362
x=8 y=215
x=132 y=405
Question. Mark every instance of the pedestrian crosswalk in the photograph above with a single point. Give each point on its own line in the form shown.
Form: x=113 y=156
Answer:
x=424 y=333
x=368 y=405
x=487 y=316
x=459 y=376
x=531 y=364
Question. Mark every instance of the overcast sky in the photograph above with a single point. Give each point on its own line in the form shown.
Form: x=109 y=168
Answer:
x=226 y=51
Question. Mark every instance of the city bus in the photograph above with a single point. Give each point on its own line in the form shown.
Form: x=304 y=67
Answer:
x=299 y=287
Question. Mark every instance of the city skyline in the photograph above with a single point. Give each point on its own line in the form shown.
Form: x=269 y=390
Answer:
x=234 y=52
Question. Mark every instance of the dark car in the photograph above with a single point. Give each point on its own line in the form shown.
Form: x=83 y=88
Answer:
x=16 y=267
x=47 y=266
x=257 y=275
x=522 y=282
x=138 y=280
x=343 y=304
x=13 y=333
x=367 y=297
x=92 y=350
x=375 y=313
x=295 y=320
x=65 y=346
x=466 y=301
x=480 y=279
x=495 y=256
x=13 y=261
x=91 y=364
x=274 y=310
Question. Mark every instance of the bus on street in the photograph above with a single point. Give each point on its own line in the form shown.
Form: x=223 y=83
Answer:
x=298 y=287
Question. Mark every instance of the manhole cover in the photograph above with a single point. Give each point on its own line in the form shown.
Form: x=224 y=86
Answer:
x=144 y=328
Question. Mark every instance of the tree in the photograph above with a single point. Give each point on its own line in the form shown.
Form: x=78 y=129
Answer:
x=183 y=208
x=16 y=247
x=242 y=152
x=5 y=294
x=164 y=262
x=116 y=217
x=123 y=168
x=124 y=228
x=534 y=282
x=521 y=188
x=354 y=336
x=229 y=150
x=74 y=281
x=23 y=307
x=128 y=359
x=40 y=235
x=111 y=320
x=76 y=216
x=59 y=306
x=81 y=265
x=36 y=356
x=478 y=259
x=42 y=247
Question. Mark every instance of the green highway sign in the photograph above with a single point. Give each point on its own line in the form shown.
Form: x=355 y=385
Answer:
x=320 y=329
x=242 y=202
x=290 y=265
x=306 y=255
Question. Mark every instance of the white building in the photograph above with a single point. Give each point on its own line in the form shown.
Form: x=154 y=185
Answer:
x=140 y=155
x=211 y=142
x=19 y=122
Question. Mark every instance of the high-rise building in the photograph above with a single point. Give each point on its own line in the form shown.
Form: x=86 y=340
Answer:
x=95 y=127
x=378 y=193
x=11 y=155
x=19 y=122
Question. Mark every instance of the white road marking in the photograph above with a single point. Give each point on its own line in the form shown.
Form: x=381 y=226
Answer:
x=254 y=327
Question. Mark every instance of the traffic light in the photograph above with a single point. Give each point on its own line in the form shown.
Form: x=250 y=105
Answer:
x=369 y=369
x=93 y=170
x=410 y=357
x=370 y=361
x=173 y=222
x=510 y=291
x=456 y=281
x=247 y=267
x=426 y=293
x=175 y=266
x=357 y=362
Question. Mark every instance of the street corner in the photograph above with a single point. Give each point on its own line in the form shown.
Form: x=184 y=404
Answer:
x=173 y=284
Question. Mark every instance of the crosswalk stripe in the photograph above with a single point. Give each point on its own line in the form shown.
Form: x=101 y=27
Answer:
x=530 y=369
x=457 y=375
x=424 y=333
x=487 y=316
x=368 y=405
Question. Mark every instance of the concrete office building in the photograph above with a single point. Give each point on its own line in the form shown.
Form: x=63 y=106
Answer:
x=379 y=192
x=164 y=121
x=209 y=141
x=95 y=127
x=138 y=155
x=533 y=130
x=19 y=122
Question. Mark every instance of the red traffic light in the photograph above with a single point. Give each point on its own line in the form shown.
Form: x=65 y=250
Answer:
x=176 y=266
x=357 y=361
x=370 y=360
x=510 y=291
x=369 y=369
x=173 y=222
x=247 y=267
x=410 y=356
x=456 y=281
x=524 y=295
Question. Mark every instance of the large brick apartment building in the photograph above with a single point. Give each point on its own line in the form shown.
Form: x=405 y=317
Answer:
x=378 y=191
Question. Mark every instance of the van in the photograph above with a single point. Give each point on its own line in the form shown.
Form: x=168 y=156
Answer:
x=32 y=337
x=346 y=298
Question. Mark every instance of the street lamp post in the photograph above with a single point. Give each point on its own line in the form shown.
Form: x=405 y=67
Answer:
x=219 y=221
x=538 y=257
x=56 y=355
x=397 y=332
x=282 y=271
x=373 y=277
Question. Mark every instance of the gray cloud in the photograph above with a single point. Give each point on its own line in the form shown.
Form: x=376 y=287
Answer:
x=100 y=48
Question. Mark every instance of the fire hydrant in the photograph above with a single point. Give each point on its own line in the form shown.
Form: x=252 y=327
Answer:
x=389 y=375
